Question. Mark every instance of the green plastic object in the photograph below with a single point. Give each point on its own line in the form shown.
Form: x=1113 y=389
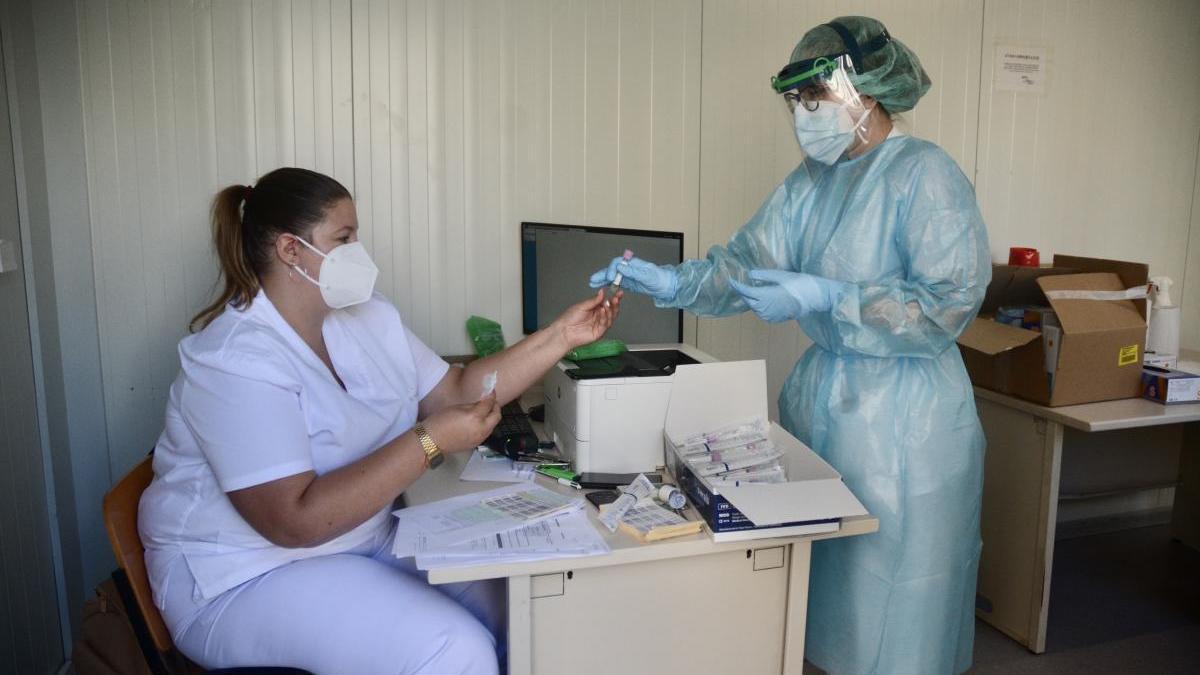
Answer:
x=486 y=335
x=557 y=472
x=597 y=350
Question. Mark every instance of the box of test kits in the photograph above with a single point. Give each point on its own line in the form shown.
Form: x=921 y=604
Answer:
x=1092 y=351
x=813 y=499
x=1170 y=386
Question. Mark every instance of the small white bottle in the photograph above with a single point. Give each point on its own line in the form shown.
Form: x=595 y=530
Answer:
x=1163 y=338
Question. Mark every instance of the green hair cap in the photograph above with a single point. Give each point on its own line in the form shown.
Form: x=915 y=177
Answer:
x=891 y=74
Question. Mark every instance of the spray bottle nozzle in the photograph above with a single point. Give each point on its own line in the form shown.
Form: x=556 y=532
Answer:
x=1162 y=291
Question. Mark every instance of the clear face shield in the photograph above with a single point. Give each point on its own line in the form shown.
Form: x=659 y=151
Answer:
x=828 y=111
x=807 y=83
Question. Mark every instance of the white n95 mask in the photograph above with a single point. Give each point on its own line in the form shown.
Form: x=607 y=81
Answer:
x=347 y=274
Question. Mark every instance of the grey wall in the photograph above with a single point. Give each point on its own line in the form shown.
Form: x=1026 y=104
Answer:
x=45 y=66
x=31 y=635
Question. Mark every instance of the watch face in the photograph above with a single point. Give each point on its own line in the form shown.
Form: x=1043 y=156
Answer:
x=436 y=461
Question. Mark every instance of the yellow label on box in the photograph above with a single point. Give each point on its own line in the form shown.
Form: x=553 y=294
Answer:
x=1128 y=355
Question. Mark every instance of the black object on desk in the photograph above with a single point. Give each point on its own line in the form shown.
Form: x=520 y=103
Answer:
x=513 y=435
x=592 y=480
x=600 y=497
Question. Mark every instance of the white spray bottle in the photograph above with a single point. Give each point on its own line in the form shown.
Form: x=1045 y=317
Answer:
x=1164 y=320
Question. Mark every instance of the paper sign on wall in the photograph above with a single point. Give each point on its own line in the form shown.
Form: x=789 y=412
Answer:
x=1020 y=69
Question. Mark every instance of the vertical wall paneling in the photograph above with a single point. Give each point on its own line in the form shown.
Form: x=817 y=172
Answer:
x=451 y=304
x=568 y=107
x=450 y=122
x=305 y=79
x=413 y=258
x=181 y=99
x=1069 y=171
x=1190 y=285
x=30 y=640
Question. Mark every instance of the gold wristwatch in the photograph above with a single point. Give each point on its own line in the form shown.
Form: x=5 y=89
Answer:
x=433 y=454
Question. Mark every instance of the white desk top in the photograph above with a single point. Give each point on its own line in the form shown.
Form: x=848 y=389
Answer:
x=443 y=482
x=1128 y=413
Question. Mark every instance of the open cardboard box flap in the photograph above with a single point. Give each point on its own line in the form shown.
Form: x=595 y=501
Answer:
x=768 y=504
x=1098 y=357
x=1088 y=316
x=1014 y=285
x=709 y=396
x=991 y=338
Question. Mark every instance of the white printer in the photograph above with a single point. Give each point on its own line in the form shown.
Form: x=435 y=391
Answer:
x=607 y=415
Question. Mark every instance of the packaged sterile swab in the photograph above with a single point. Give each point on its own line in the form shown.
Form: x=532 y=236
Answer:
x=713 y=454
x=764 y=449
x=736 y=478
x=713 y=468
x=640 y=488
x=733 y=443
x=749 y=430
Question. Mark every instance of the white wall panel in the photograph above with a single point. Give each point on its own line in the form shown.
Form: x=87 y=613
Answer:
x=450 y=122
x=1190 y=330
x=471 y=117
x=180 y=99
x=748 y=144
x=1104 y=162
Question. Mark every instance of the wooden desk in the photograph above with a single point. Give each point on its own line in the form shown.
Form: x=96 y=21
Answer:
x=1021 y=490
x=699 y=606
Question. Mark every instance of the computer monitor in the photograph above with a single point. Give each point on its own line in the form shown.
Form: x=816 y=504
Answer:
x=556 y=261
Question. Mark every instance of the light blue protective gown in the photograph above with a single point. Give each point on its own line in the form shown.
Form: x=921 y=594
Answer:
x=882 y=395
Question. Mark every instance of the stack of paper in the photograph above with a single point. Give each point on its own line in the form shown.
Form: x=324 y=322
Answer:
x=518 y=522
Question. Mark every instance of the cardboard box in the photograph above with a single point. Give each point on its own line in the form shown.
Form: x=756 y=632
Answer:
x=708 y=396
x=1170 y=386
x=1100 y=345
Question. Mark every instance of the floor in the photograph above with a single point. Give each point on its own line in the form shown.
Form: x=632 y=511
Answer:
x=1121 y=602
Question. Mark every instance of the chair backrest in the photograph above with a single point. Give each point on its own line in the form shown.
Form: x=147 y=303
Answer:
x=120 y=518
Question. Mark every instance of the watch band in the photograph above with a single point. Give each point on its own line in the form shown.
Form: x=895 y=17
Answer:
x=433 y=454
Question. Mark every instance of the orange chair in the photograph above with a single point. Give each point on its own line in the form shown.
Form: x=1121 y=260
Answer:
x=120 y=519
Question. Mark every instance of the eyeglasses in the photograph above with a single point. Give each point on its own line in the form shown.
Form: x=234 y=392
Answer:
x=810 y=97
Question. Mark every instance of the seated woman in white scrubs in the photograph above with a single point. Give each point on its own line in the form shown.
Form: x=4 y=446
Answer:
x=303 y=408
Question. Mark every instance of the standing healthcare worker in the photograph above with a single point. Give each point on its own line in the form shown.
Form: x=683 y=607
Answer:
x=303 y=408
x=876 y=247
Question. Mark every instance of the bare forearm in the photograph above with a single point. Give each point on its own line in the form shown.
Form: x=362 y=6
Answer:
x=341 y=500
x=518 y=366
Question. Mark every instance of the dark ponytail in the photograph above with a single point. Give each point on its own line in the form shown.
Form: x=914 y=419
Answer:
x=247 y=220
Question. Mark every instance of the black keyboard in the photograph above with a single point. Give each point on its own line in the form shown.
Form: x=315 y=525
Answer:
x=513 y=435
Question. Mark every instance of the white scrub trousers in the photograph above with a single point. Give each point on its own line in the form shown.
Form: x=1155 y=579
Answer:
x=363 y=611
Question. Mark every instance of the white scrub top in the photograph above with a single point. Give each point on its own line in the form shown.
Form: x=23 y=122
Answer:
x=252 y=404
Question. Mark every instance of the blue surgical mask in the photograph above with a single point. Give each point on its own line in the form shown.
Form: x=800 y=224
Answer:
x=825 y=133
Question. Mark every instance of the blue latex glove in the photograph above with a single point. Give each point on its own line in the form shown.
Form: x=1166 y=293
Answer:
x=788 y=295
x=639 y=276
